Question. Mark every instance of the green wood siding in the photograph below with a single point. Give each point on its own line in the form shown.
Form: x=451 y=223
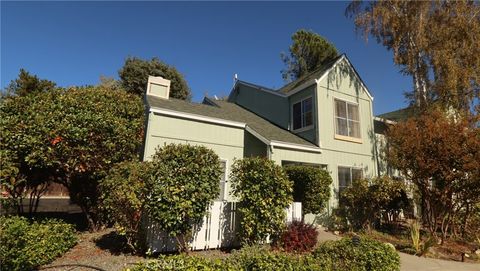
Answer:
x=227 y=142
x=267 y=105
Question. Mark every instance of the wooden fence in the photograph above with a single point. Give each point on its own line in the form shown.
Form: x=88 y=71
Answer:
x=217 y=231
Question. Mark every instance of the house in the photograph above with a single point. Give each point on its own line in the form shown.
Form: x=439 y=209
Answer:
x=324 y=119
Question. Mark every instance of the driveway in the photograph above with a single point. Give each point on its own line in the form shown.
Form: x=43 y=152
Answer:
x=413 y=263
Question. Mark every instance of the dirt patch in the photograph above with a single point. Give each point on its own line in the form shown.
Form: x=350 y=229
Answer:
x=102 y=251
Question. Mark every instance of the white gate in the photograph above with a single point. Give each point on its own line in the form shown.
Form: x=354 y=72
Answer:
x=218 y=229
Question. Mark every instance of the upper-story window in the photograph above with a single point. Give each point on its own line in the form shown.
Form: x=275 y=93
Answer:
x=302 y=114
x=347 y=119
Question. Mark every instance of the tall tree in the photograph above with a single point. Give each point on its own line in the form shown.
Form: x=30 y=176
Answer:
x=435 y=42
x=307 y=52
x=27 y=83
x=71 y=136
x=134 y=77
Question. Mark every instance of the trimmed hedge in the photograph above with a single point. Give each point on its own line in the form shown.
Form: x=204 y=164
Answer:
x=25 y=245
x=311 y=187
x=263 y=191
x=332 y=255
x=368 y=254
x=181 y=262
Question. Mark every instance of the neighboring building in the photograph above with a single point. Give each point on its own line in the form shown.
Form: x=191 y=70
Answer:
x=324 y=119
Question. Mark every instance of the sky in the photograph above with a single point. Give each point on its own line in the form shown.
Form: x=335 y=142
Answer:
x=74 y=43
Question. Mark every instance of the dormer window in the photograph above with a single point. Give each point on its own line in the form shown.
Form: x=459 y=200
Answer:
x=302 y=114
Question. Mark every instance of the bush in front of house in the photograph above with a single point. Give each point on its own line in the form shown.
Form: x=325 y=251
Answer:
x=365 y=203
x=264 y=192
x=311 y=187
x=249 y=258
x=366 y=254
x=182 y=262
x=298 y=237
x=122 y=197
x=183 y=182
x=261 y=258
x=25 y=245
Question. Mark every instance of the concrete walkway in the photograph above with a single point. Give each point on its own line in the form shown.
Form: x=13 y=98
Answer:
x=413 y=263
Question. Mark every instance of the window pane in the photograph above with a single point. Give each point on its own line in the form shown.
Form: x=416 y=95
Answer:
x=344 y=178
x=221 y=196
x=340 y=109
x=297 y=116
x=342 y=127
x=357 y=174
x=307 y=105
x=308 y=118
x=354 y=128
x=353 y=112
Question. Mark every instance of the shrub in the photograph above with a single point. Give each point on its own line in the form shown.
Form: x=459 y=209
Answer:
x=184 y=181
x=25 y=246
x=257 y=258
x=368 y=254
x=182 y=262
x=122 y=199
x=299 y=237
x=263 y=191
x=311 y=187
x=363 y=203
x=254 y=258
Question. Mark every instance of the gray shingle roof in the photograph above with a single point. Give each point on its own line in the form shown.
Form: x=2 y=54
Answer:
x=314 y=74
x=233 y=112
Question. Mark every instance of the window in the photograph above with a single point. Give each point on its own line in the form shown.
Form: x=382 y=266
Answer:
x=346 y=175
x=223 y=180
x=302 y=115
x=347 y=119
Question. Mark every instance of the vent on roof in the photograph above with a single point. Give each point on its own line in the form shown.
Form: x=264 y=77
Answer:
x=158 y=86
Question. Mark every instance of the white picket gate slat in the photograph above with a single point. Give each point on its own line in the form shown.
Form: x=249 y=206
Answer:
x=218 y=229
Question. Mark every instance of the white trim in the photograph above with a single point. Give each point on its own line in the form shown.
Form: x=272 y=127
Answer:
x=197 y=117
x=294 y=146
x=384 y=120
x=302 y=86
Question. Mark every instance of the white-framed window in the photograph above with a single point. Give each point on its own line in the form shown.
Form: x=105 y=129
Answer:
x=223 y=180
x=347 y=119
x=346 y=175
x=302 y=114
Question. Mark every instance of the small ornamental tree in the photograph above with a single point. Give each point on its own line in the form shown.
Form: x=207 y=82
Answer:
x=122 y=199
x=263 y=191
x=183 y=183
x=440 y=154
x=311 y=187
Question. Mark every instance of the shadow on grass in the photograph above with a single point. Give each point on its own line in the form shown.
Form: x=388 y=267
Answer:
x=114 y=243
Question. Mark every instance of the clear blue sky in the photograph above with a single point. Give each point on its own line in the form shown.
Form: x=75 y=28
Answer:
x=73 y=43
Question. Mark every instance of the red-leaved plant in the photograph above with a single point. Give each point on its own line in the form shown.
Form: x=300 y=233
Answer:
x=298 y=237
